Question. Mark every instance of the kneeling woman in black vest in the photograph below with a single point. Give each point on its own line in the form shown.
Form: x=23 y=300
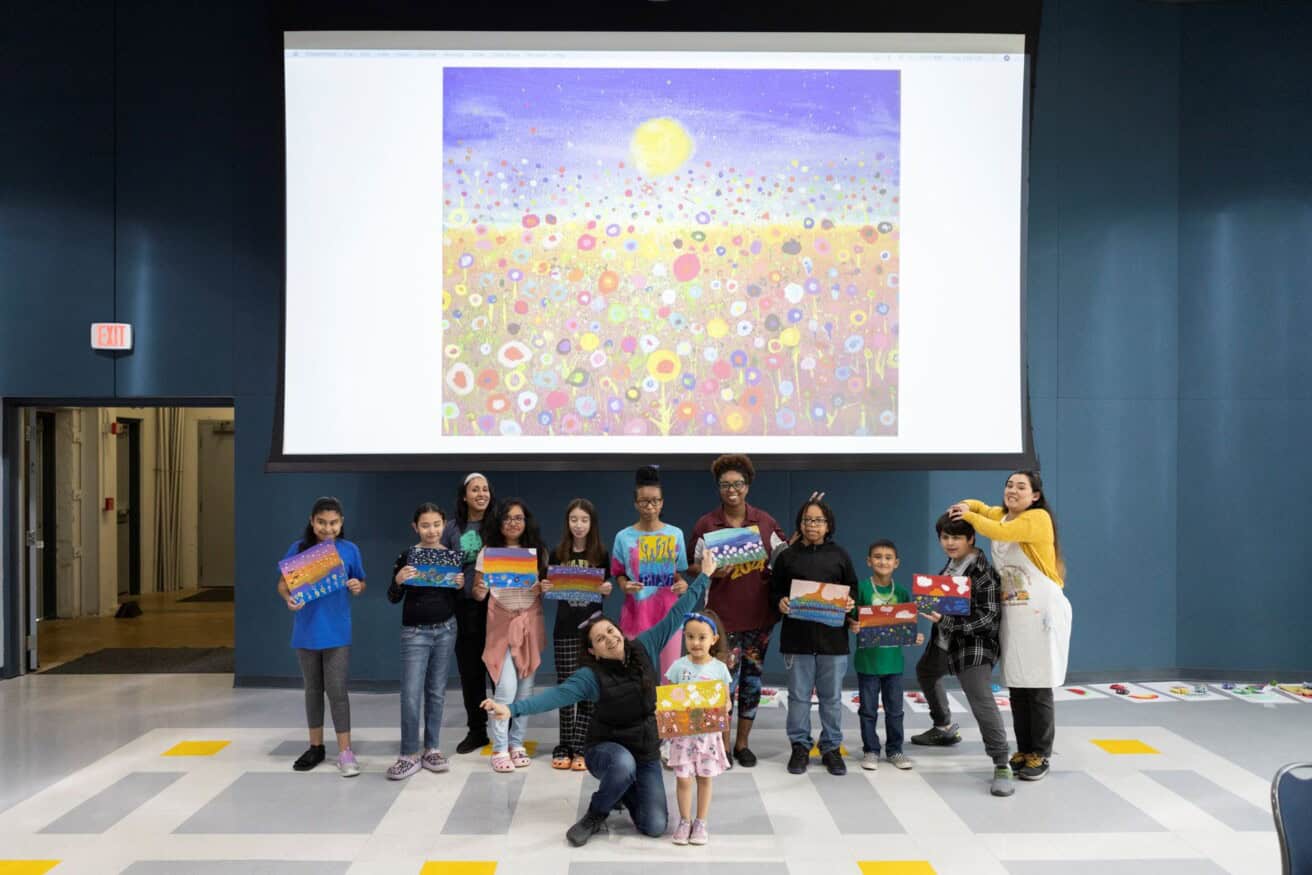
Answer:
x=622 y=751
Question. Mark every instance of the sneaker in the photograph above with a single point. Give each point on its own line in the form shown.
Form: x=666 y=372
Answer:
x=435 y=762
x=936 y=737
x=347 y=765
x=1035 y=768
x=745 y=757
x=311 y=758
x=681 y=832
x=899 y=760
x=799 y=760
x=1017 y=760
x=586 y=828
x=870 y=761
x=833 y=761
x=472 y=742
x=699 y=834
x=403 y=768
x=1001 y=784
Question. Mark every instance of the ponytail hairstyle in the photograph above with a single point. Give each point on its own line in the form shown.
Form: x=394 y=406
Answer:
x=1036 y=484
x=593 y=552
x=327 y=502
x=720 y=649
x=647 y=475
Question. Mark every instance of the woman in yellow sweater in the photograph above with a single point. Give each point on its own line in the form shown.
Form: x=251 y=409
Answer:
x=1036 y=616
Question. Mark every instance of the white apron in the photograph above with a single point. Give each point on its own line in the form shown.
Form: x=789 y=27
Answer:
x=1036 y=621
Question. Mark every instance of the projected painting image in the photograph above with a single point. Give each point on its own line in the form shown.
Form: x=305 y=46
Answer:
x=670 y=252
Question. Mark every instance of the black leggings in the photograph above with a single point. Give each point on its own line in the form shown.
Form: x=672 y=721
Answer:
x=1034 y=719
x=471 y=635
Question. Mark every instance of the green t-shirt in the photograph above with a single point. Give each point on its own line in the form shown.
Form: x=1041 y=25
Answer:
x=879 y=660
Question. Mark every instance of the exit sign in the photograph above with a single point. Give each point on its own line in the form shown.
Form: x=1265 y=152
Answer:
x=111 y=335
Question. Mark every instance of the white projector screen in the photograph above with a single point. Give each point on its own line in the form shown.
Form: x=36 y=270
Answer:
x=553 y=245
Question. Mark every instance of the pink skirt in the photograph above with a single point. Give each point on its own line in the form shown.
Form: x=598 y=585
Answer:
x=700 y=756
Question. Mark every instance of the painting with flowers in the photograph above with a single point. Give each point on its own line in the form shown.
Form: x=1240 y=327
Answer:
x=670 y=252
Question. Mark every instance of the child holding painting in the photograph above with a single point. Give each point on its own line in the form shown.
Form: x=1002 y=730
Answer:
x=580 y=545
x=698 y=757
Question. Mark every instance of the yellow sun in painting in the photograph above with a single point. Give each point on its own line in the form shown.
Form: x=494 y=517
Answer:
x=660 y=146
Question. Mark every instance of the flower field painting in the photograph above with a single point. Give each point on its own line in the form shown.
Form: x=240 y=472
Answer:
x=670 y=252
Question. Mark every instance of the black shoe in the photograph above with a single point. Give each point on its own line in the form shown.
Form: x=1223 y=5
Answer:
x=938 y=737
x=1035 y=768
x=799 y=760
x=472 y=742
x=745 y=757
x=310 y=758
x=590 y=825
x=833 y=761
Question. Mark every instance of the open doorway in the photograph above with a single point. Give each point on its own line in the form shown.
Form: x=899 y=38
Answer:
x=127 y=522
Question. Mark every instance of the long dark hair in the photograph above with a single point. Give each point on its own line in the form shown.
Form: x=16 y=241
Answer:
x=1036 y=485
x=720 y=649
x=462 y=506
x=327 y=502
x=492 y=536
x=593 y=552
x=631 y=659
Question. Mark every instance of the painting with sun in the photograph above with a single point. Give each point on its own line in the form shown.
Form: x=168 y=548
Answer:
x=670 y=252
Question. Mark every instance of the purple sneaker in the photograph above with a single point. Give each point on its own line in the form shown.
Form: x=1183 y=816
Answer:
x=403 y=768
x=699 y=834
x=435 y=762
x=681 y=832
x=347 y=765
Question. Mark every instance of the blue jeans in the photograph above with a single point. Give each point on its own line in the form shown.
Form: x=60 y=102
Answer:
x=872 y=687
x=639 y=784
x=425 y=660
x=508 y=735
x=824 y=674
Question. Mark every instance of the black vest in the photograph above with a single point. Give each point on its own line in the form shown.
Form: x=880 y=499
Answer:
x=623 y=713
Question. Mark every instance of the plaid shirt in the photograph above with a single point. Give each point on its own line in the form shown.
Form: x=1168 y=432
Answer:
x=973 y=640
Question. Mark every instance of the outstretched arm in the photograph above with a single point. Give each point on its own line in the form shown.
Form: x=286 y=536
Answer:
x=578 y=687
x=655 y=638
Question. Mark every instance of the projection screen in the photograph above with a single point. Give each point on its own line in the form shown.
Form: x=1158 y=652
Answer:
x=562 y=246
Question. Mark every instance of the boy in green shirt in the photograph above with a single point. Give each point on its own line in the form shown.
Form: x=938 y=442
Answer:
x=879 y=669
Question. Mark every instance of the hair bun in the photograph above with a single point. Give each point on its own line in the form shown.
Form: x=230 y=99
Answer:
x=647 y=475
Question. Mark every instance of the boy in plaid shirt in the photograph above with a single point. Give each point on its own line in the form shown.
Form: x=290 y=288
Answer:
x=968 y=648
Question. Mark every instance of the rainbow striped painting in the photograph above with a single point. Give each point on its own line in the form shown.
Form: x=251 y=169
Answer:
x=575 y=583
x=736 y=546
x=943 y=594
x=818 y=602
x=887 y=625
x=314 y=573
x=436 y=567
x=510 y=567
x=656 y=559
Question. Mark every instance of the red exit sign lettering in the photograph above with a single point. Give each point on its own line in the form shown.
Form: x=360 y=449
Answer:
x=111 y=335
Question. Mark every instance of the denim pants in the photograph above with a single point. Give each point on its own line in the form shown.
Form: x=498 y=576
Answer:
x=639 y=784
x=425 y=660
x=873 y=688
x=824 y=674
x=510 y=688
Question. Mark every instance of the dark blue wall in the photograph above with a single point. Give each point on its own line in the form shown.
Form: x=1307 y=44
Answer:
x=1168 y=205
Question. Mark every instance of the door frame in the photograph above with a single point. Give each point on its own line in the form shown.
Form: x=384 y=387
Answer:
x=133 y=436
x=200 y=497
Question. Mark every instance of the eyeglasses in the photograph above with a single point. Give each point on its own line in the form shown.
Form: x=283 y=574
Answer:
x=647 y=502
x=814 y=521
x=733 y=485
x=513 y=519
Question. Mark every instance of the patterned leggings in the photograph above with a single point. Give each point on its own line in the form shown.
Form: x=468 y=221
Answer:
x=574 y=719
x=746 y=659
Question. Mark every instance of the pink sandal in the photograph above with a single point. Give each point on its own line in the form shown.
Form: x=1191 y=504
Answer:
x=501 y=762
x=519 y=758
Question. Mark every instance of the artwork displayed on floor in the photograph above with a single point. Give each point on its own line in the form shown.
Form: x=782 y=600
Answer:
x=1133 y=693
x=1075 y=694
x=915 y=700
x=852 y=701
x=732 y=547
x=942 y=594
x=574 y=583
x=1186 y=691
x=510 y=567
x=314 y=573
x=436 y=567
x=814 y=602
x=1297 y=692
x=1256 y=694
x=773 y=697
x=887 y=625
x=657 y=555
x=694 y=708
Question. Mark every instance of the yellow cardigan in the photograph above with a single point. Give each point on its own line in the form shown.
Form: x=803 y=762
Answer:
x=1032 y=530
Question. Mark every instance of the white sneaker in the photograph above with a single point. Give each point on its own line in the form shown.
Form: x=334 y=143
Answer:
x=870 y=761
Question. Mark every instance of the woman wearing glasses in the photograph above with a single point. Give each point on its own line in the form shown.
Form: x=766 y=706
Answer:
x=814 y=654
x=645 y=606
x=740 y=594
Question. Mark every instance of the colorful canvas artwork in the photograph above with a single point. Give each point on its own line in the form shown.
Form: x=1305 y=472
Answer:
x=510 y=567
x=1186 y=691
x=818 y=602
x=435 y=567
x=887 y=625
x=314 y=573
x=1255 y=694
x=733 y=547
x=670 y=252
x=574 y=583
x=1135 y=694
x=657 y=555
x=694 y=708
x=940 y=593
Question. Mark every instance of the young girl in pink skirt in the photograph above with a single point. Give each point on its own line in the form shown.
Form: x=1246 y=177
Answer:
x=698 y=757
